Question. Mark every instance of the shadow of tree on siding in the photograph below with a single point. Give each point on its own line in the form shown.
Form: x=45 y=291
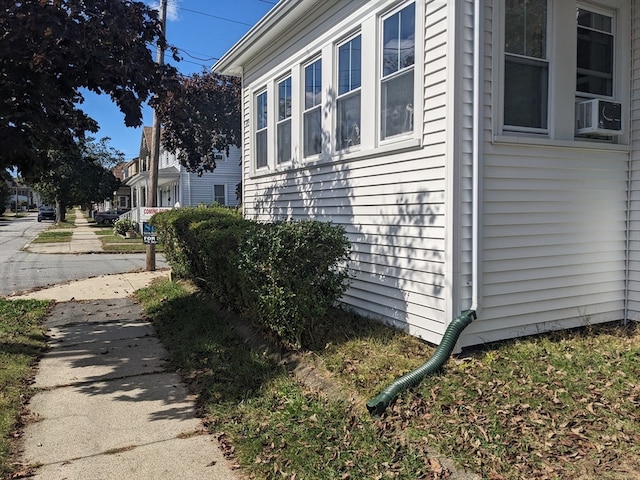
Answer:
x=396 y=226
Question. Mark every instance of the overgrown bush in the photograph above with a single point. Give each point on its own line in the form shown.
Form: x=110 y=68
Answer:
x=283 y=275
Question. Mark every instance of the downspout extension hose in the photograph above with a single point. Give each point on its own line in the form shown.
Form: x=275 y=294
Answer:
x=378 y=405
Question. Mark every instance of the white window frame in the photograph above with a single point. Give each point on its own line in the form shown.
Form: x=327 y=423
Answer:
x=351 y=93
x=315 y=108
x=563 y=94
x=410 y=70
x=547 y=59
x=286 y=120
x=263 y=130
x=614 y=33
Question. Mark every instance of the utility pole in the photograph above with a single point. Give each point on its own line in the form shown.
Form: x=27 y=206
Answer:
x=152 y=194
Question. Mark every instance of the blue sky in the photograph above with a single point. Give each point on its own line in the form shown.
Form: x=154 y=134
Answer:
x=203 y=30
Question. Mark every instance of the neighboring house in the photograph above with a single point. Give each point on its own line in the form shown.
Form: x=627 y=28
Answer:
x=444 y=136
x=23 y=194
x=123 y=194
x=177 y=186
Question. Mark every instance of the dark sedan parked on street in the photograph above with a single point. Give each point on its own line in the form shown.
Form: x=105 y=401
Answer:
x=108 y=217
x=46 y=213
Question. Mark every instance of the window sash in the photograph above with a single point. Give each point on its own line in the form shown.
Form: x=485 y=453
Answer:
x=348 y=120
x=398 y=40
x=595 y=50
x=397 y=104
x=284 y=141
x=261 y=120
x=526 y=68
x=350 y=65
x=526 y=93
x=312 y=131
x=261 y=148
x=284 y=99
x=313 y=84
x=526 y=28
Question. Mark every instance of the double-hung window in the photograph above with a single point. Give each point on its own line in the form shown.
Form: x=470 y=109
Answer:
x=261 y=139
x=283 y=126
x=595 y=53
x=398 y=59
x=526 y=65
x=312 y=105
x=348 y=110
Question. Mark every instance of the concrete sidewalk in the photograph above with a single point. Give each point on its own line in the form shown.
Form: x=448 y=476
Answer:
x=83 y=240
x=109 y=407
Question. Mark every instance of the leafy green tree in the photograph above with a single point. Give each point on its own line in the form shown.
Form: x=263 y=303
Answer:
x=79 y=176
x=5 y=195
x=49 y=51
x=200 y=113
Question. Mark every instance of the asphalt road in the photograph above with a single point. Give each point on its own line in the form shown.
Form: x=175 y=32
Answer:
x=22 y=271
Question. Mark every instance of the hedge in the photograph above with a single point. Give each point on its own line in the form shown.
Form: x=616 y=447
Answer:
x=282 y=275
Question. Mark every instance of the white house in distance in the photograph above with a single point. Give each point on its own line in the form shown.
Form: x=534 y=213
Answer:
x=178 y=186
x=481 y=155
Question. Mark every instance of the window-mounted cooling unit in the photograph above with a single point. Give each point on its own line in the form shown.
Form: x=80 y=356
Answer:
x=598 y=117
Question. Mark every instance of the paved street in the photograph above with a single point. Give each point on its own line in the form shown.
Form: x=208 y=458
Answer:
x=20 y=270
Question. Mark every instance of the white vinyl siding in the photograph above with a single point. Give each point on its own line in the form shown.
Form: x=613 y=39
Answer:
x=195 y=190
x=633 y=288
x=392 y=204
x=553 y=239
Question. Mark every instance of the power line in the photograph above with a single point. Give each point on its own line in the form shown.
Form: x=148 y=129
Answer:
x=215 y=16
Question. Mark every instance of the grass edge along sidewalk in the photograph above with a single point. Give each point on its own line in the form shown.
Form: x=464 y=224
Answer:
x=22 y=343
x=562 y=405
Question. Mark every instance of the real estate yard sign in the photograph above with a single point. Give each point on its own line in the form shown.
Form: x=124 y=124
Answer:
x=149 y=236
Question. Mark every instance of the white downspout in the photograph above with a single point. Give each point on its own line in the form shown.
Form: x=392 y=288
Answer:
x=476 y=156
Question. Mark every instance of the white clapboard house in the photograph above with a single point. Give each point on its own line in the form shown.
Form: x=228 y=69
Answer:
x=177 y=186
x=481 y=155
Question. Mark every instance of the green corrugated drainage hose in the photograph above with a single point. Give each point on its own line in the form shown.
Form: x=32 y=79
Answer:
x=378 y=405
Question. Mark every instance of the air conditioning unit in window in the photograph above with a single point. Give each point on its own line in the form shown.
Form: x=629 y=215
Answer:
x=598 y=117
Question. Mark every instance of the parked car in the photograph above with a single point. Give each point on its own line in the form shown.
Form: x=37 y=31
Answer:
x=46 y=212
x=108 y=217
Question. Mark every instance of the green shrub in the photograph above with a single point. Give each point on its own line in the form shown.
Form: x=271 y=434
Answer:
x=174 y=232
x=283 y=275
x=295 y=272
x=124 y=225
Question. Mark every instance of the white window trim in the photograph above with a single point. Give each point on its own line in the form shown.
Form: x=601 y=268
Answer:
x=417 y=76
x=562 y=89
x=359 y=90
x=304 y=110
x=277 y=121
x=254 y=130
x=501 y=55
x=326 y=48
x=614 y=29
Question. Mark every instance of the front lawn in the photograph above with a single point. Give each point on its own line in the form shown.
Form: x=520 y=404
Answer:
x=558 y=406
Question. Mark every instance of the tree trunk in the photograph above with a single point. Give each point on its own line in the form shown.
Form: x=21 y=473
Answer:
x=61 y=210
